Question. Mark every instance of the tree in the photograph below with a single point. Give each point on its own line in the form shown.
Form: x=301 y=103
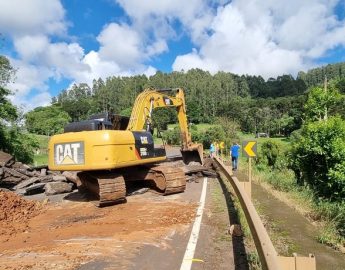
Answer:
x=77 y=101
x=319 y=103
x=12 y=139
x=48 y=120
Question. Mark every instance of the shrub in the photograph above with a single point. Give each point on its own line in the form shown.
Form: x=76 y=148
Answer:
x=318 y=157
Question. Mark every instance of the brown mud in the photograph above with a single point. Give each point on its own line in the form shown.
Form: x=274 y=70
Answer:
x=68 y=235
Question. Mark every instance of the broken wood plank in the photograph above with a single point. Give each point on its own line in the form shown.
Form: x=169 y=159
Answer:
x=189 y=169
x=11 y=180
x=35 y=189
x=53 y=188
x=26 y=183
x=5 y=158
x=72 y=176
x=15 y=173
x=26 y=172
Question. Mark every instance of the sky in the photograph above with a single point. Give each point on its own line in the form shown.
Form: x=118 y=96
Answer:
x=54 y=44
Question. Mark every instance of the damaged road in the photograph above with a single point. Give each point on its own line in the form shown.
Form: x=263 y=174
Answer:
x=50 y=230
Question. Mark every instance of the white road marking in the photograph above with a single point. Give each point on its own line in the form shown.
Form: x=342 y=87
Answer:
x=193 y=239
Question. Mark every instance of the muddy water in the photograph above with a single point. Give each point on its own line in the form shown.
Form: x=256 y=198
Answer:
x=297 y=228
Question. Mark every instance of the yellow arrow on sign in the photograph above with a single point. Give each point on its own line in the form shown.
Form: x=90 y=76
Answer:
x=249 y=150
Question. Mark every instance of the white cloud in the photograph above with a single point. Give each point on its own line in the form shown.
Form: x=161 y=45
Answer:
x=19 y=17
x=122 y=50
x=121 y=44
x=269 y=38
x=28 y=78
x=158 y=17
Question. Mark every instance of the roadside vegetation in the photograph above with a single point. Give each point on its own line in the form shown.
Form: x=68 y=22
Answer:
x=13 y=138
x=311 y=165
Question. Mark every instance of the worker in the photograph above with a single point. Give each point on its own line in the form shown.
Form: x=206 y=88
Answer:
x=212 y=150
x=234 y=153
x=216 y=149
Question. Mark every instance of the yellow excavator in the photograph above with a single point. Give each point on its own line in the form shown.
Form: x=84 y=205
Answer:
x=110 y=150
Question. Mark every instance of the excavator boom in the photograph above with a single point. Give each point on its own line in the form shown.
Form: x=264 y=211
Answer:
x=142 y=116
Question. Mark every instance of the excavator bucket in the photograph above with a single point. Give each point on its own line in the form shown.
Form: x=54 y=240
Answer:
x=194 y=153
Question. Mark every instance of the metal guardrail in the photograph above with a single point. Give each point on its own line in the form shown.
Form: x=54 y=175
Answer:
x=268 y=255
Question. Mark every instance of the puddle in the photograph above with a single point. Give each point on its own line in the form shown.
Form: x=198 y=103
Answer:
x=298 y=229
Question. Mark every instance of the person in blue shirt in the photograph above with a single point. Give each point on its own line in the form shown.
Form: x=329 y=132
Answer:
x=212 y=149
x=234 y=153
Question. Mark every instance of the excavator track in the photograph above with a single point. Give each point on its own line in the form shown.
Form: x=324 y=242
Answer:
x=169 y=180
x=107 y=188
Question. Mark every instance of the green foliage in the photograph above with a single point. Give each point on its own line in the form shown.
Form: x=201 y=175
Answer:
x=172 y=137
x=214 y=134
x=77 y=101
x=12 y=140
x=19 y=144
x=126 y=112
x=316 y=76
x=48 y=120
x=164 y=116
x=319 y=103
x=6 y=71
x=230 y=128
x=318 y=157
x=270 y=152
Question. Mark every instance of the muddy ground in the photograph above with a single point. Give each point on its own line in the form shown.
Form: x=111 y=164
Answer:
x=148 y=232
x=68 y=234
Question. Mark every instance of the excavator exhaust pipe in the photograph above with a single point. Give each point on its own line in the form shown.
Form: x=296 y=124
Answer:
x=194 y=153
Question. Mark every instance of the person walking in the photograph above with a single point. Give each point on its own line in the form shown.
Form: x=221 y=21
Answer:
x=212 y=150
x=234 y=153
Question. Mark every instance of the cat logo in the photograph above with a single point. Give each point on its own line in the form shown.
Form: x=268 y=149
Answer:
x=144 y=140
x=69 y=153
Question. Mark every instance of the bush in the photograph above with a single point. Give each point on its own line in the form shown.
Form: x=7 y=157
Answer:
x=318 y=158
x=18 y=144
x=172 y=137
x=216 y=133
x=270 y=152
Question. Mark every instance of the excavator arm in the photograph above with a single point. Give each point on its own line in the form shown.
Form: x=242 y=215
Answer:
x=141 y=118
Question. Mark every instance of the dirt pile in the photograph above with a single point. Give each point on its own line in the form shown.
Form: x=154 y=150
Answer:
x=15 y=212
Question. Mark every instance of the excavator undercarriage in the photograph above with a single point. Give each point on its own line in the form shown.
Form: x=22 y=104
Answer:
x=109 y=187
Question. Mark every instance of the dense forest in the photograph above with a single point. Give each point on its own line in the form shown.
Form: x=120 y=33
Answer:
x=274 y=106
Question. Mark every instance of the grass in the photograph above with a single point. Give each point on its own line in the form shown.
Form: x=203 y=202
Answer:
x=40 y=159
x=329 y=216
x=42 y=140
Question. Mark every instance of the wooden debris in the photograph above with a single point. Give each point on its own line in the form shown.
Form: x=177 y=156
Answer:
x=25 y=180
x=59 y=178
x=53 y=188
x=15 y=173
x=35 y=189
x=5 y=159
x=43 y=171
x=26 y=183
x=72 y=176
